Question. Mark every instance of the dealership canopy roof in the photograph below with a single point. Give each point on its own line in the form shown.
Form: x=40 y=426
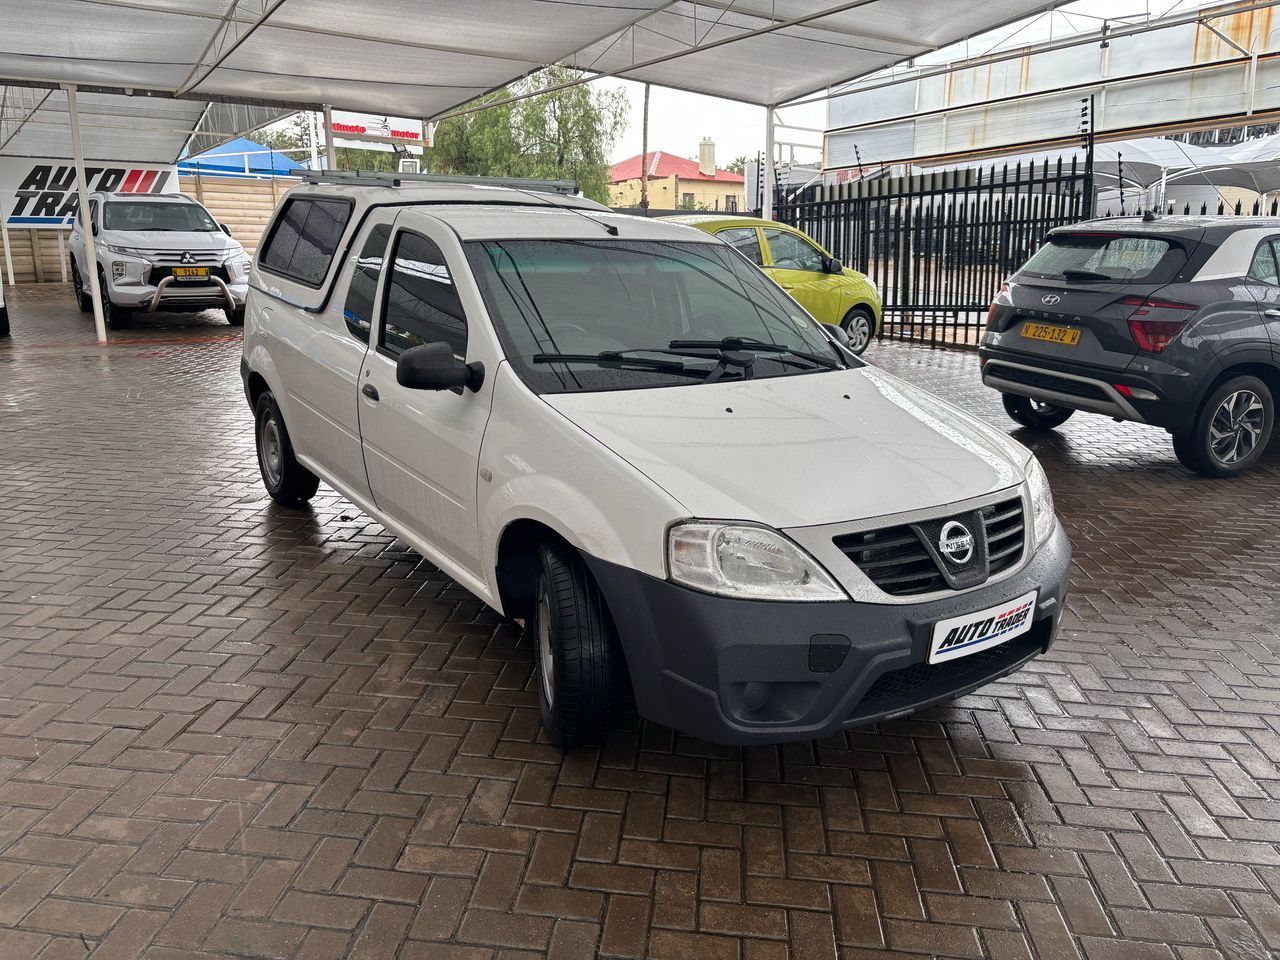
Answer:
x=154 y=65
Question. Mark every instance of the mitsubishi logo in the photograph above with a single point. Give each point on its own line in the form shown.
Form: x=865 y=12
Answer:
x=956 y=543
x=1051 y=300
x=186 y=257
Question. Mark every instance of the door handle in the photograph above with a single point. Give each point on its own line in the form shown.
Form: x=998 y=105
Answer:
x=370 y=391
x=1273 y=313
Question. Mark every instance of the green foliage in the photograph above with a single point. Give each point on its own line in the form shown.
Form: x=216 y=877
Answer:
x=739 y=164
x=560 y=135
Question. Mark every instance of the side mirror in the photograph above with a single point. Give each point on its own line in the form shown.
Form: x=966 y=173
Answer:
x=834 y=265
x=432 y=366
x=841 y=336
x=223 y=228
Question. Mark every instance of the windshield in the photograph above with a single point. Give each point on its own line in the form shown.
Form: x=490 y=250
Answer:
x=156 y=215
x=1106 y=258
x=588 y=315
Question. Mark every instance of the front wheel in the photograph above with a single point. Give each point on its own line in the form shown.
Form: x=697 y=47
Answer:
x=113 y=317
x=288 y=481
x=1231 y=430
x=235 y=317
x=4 y=321
x=859 y=324
x=1035 y=414
x=581 y=673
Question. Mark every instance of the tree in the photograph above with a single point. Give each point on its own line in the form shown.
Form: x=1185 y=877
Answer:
x=560 y=135
x=292 y=133
x=739 y=165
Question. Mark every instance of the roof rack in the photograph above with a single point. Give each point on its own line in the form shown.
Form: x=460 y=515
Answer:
x=376 y=178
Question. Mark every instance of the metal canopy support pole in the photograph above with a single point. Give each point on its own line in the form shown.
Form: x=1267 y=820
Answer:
x=82 y=218
x=644 y=156
x=330 y=159
x=8 y=244
x=767 y=174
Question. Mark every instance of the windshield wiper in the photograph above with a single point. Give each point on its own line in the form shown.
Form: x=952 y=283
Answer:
x=755 y=346
x=1084 y=275
x=617 y=360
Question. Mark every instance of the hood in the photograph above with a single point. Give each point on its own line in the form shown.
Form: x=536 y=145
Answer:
x=801 y=450
x=202 y=240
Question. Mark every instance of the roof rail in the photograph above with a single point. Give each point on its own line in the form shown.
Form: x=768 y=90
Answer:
x=376 y=178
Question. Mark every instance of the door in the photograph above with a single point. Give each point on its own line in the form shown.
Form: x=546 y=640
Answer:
x=1264 y=284
x=800 y=268
x=422 y=447
x=317 y=351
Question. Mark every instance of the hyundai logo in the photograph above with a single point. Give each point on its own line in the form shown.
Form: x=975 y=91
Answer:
x=1051 y=299
x=956 y=543
x=186 y=257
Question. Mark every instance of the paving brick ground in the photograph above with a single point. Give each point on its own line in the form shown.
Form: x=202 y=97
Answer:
x=232 y=730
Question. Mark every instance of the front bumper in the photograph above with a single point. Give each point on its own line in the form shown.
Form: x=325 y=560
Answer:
x=171 y=295
x=745 y=671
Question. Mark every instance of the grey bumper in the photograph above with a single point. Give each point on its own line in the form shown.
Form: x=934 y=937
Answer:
x=743 y=671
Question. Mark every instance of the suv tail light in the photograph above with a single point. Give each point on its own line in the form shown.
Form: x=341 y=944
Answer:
x=995 y=302
x=1153 y=335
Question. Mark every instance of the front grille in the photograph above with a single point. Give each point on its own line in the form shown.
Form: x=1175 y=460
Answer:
x=903 y=561
x=1004 y=526
x=920 y=683
x=895 y=560
x=173 y=258
x=1048 y=381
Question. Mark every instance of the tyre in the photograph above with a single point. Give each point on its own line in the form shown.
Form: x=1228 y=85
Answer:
x=860 y=325
x=235 y=317
x=581 y=673
x=1035 y=414
x=1231 y=429
x=288 y=481
x=4 y=321
x=83 y=300
x=113 y=317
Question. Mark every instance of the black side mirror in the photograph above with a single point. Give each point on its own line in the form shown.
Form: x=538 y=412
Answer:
x=224 y=229
x=432 y=366
x=834 y=265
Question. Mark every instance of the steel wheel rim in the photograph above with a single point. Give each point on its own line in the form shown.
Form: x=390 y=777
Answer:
x=1236 y=427
x=546 y=664
x=859 y=331
x=272 y=452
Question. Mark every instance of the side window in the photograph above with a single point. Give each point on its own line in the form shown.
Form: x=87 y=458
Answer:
x=745 y=241
x=791 y=252
x=422 y=304
x=1264 y=264
x=305 y=238
x=358 y=310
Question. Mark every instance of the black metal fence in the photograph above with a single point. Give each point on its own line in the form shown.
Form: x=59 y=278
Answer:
x=938 y=245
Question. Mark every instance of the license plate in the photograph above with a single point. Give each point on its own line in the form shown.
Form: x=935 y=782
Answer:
x=191 y=273
x=961 y=636
x=1052 y=333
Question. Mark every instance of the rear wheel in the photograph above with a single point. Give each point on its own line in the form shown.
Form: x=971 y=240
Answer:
x=1231 y=431
x=581 y=673
x=288 y=481
x=860 y=325
x=1035 y=414
x=83 y=300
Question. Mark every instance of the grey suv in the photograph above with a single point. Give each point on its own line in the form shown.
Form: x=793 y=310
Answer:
x=1173 y=322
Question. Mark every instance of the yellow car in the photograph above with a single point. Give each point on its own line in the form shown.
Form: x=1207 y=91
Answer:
x=816 y=280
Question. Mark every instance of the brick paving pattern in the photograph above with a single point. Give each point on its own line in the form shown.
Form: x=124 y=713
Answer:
x=228 y=729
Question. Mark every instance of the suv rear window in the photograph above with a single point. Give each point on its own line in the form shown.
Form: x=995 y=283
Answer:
x=1106 y=258
x=305 y=238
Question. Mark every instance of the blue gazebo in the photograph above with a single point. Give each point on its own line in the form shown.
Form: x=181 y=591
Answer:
x=240 y=157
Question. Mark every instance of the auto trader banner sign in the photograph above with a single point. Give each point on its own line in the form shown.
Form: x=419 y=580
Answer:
x=41 y=194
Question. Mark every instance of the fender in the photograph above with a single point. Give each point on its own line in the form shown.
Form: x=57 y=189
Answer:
x=258 y=360
x=1235 y=355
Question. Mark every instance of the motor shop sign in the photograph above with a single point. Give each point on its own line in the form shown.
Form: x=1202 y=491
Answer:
x=41 y=193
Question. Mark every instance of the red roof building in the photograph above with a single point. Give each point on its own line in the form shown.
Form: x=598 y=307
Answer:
x=677 y=183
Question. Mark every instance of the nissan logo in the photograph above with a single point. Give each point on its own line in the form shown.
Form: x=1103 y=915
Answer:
x=186 y=257
x=956 y=543
x=1051 y=299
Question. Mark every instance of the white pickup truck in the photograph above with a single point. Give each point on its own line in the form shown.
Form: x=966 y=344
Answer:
x=159 y=252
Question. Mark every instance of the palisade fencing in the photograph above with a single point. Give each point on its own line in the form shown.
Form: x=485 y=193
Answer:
x=938 y=245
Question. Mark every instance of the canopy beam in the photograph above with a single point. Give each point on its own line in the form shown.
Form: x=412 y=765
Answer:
x=227 y=38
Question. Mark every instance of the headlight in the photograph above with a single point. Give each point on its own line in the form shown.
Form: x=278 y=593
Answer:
x=1041 y=497
x=745 y=561
x=123 y=251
